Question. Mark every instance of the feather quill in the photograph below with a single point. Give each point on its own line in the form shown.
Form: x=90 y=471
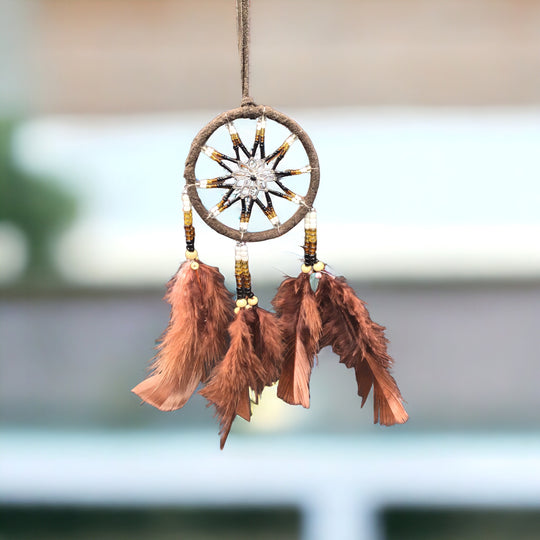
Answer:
x=300 y=321
x=362 y=345
x=195 y=339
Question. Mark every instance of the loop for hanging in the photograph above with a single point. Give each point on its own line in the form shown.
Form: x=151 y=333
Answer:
x=242 y=11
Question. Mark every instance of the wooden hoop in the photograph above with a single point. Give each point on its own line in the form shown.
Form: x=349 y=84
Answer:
x=251 y=112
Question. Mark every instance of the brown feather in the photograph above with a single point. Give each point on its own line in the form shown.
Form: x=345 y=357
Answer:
x=244 y=407
x=195 y=339
x=268 y=345
x=301 y=325
x=231 y=379
x=362 y=345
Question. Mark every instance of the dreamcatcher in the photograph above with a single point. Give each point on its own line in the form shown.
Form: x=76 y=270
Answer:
x=236 y=349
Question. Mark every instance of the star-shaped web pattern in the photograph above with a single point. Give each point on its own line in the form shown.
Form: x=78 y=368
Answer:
x=252 y=175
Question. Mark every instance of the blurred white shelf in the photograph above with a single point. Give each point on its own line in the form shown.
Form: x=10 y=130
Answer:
x=405 y=193
x=339 y=483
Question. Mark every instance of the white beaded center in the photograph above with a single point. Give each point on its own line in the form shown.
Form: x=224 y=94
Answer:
x=252 y=177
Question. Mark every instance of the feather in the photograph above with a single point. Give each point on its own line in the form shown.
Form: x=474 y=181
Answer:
x=228 y=386
x=244 y=407
x=195 y=339
x=362 y=345
x=268 y=345
x=301 y=325
x=252 y=361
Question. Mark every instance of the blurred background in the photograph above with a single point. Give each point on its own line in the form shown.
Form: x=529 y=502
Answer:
x=426 y=118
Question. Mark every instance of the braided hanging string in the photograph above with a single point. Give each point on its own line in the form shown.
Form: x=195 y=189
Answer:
x=242 y=11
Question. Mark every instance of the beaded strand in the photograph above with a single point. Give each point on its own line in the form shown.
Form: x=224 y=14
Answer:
x=244 y=295
x=311 y=263
x=189 y=229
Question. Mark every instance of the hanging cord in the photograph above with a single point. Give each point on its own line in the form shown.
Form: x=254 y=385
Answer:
x=242 y=11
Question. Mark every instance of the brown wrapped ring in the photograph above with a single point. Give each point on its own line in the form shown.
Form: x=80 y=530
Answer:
x=251 y=112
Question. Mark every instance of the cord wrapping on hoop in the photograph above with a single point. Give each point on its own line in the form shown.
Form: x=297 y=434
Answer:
x=253 y=113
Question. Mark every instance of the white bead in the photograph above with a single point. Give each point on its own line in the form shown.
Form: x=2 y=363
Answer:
x=310 y=221
x=241 y=252
x=290 y=139
x=261 y=123
x=208 y=150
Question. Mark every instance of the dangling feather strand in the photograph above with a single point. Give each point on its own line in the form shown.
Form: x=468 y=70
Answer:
x=361 y=345
x=301 y=325
x=252 y=361
x=195 y=339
